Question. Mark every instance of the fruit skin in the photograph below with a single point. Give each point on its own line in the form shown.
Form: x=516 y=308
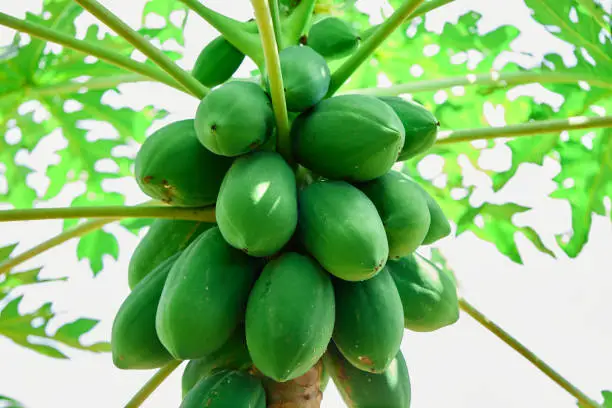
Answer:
x=226 y=389
x=333 y=38
x=134 y=341
x=350 y=137
x=204 y=297
x=403 y=210
x=360 y=389
x=439 y=227
x=369 y=321
x=217 y=62
x=340 y=227
x=172 y=166
x=290 y=317
x=257 y=206
x=420 y=126
x=428 y=293
x=164 y=238
x=234 y=118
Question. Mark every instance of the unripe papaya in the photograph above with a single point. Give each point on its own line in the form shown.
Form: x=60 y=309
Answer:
x=257 y=206
x=290 y=317
x=172 y=166
x=420 y=126
x=234 y=119
x=403 y=210
x=340 y=227
x=439 y=227
x=333 y=38
x=360 y=389
x=204 y=297
x=369 y=322
x=354 y=137
x=428 y=293
x=134 y=341
x=164 y=238
x=226 y=389
x=217 y=62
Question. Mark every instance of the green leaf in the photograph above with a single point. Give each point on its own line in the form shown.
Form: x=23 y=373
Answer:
x=7 y=402
x=607 y=403
x=94 y=246
x=10 y=281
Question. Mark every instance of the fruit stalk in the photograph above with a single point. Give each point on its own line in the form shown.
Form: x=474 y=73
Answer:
x=276 y=23
x=301 y=392
x=296 y=24
x=151 y=385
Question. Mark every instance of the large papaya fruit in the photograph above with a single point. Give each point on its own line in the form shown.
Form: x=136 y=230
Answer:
x=439 y=227
x=369 y=321
x=134 y=341
x=217 y=62
x=226 y=389
x=290 y=316
x=234 y=119
x=341 y=228
x=257 y=206
x=354 y=137
x=204 y=297
x=333 y=38
x=164 y=238
x=174 y=167
x=360 y=389
x=403 y=210
x=428 y=293
x=420 y=126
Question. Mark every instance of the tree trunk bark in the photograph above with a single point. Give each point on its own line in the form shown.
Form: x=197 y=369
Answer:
x=301 y=392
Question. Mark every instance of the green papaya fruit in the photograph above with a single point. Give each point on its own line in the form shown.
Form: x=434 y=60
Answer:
x=226 y=389
x=164 y=238
x=204 y=297
x=340 y=227
x=353 y=137
x=290 y=316
x=333 y=38
x=439 y=227
x=420 y=126
x=234 y=118
x=369 y=321
x=134 y=341
x=306 y=77
x=428 y=293
x=257 y=206
x=360 y=389
x=172 y=166
x=217 y=62
x=233 y=355
x=403 y=210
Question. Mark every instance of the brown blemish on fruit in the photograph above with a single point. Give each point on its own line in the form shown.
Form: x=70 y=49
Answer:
x=147 y=179
x=365 y=359
x=213 y=128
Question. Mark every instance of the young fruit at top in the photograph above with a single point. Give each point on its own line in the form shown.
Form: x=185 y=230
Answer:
x=257 y=206
x=234 y=119
x=333 y=38
x=340 y=227
x=353 y=137
x=217 y=62
x=172 y=166
x=226 y=389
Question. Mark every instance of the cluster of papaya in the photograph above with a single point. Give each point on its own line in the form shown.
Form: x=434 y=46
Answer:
x=310 y=262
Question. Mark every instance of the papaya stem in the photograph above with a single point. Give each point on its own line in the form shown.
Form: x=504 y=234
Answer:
x=524 y=129
x=144 y=46
x=105 y=54
x=154 y=382
x=301 y=392
x=525 y=352
x=276 y=23
x=275 y=77
x=298 y=22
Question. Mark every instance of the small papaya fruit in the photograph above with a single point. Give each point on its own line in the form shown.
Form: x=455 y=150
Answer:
x=369 y=321
x=172 y=166
x=333 y=38
x=134 y=341
x=352 y=137
x=204 y=297
x=428 y=293
x=360 y=389
x=226 y=389
x=234 y=118
x=340 y=227
x=290 y=317
x=164 y=238
x=439 y=227
x=217 y=62
x=257 y=206
x=420 y=126
x=403 y=210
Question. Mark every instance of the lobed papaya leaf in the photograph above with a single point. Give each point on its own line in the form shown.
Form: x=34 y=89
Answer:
x=607 y=402
x=7 y=402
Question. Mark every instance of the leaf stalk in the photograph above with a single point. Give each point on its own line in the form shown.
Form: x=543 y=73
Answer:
x=154 y=382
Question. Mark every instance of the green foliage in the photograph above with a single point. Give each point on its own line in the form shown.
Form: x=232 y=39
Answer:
x=7 y=402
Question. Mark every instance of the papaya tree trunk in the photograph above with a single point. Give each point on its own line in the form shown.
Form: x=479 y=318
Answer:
x=301 y=392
